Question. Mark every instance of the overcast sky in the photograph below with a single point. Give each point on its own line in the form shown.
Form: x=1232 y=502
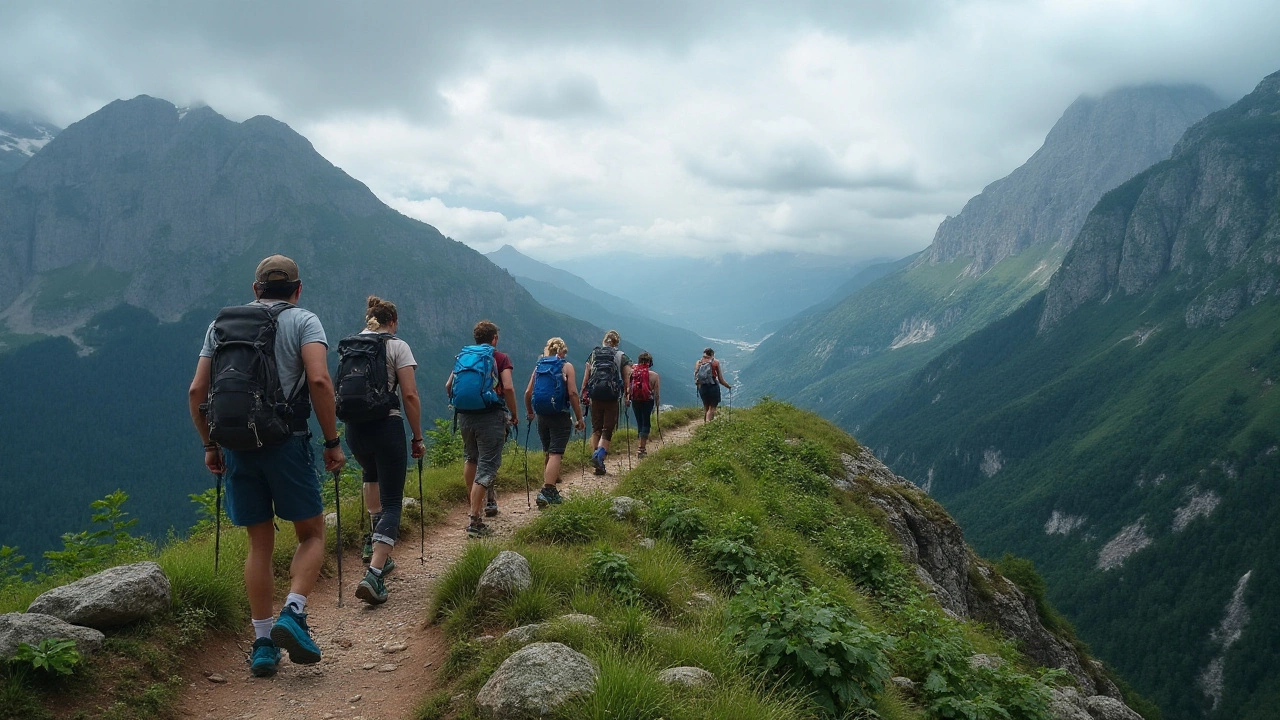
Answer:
x=693 y=128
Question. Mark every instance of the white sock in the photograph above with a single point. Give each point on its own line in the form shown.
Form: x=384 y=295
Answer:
x=299 y=602
x=262 y=628
x=376 y=571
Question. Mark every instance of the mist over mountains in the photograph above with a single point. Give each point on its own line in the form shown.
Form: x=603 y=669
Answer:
x=850 y=360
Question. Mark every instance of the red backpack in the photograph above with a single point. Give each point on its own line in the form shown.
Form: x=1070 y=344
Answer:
x=640 y=389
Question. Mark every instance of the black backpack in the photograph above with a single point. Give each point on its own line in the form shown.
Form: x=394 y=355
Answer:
x=361 y=385
x=247 y=409
x=606 y=374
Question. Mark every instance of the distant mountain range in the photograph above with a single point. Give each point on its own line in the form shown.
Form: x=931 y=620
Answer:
x=851 y=359
x=124 y=235
x=1121 y=428
x=20 y=138
x=736 y=297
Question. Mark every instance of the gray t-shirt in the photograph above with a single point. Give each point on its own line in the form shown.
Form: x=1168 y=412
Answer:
x=399 y=355
x=296 y=327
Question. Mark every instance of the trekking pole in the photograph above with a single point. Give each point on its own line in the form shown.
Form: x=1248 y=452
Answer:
x=217 y=521
x=337 y=509
x=422 y=520
x=528 y=427
x=657 y=408
x=626 y=415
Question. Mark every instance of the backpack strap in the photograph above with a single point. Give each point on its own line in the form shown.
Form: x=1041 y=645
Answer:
x=275 y=310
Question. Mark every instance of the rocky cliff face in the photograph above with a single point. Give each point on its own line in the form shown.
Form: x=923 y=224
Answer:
x=1096 y=145
x=1206 y=219
x=962 y=583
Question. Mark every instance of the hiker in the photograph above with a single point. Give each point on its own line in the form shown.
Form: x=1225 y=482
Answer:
x=551 y=393
x=264 y=449
x=478 y=388
x=373 y=364
x=643 y=394
x=603 y=384
x=707 y=376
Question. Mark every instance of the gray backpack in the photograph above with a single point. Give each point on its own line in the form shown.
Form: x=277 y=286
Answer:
x=704 y=374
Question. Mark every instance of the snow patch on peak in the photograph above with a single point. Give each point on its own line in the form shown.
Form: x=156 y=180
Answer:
x=1128 y=541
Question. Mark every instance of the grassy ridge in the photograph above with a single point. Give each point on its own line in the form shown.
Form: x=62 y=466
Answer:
x=811 y=608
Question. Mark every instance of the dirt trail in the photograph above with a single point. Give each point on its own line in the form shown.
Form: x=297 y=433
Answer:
x=363 y=674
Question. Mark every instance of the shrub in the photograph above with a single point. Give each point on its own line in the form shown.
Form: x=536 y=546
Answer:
x=580 y=519
x=53 y=656
x=612 y=571
x=732 y=560
x=444 y=448
x=863 y=553
x=817 y=643
x=670 y=518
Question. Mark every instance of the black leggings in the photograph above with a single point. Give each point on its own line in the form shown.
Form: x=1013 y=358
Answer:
x=379 y=446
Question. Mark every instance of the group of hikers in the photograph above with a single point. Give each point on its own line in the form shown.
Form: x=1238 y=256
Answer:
x=263 y=371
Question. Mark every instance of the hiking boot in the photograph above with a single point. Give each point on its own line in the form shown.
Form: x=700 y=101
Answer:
x=265 y=658
x=479 y=530
x=600 y=469
x=597 y=460
x=543 y=499
x=291 y=633
x=372 y=589
x=366 y=552
x=490 y=510
x=555 y=496
x=640 y=455
x=388 y=566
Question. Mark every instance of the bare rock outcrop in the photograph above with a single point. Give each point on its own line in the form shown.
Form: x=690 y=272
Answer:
x=116 y=596
x=962 y=584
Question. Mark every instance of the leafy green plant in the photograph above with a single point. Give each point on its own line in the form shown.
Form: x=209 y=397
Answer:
x=613 y=572
x=13 y=568
x=862 y=552
x=89 y=550
x=53 y=656
x=671 y=519
x=731 y=559
x=579 y=519
x=444 y=447
x=818 y=643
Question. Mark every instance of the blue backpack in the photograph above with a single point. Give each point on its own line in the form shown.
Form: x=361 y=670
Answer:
x=475 y=380
x=550 y=394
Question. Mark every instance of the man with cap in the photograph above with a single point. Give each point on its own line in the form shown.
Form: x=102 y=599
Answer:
x=280 y=479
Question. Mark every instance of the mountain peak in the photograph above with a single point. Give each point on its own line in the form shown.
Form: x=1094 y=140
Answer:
x=1098 y=143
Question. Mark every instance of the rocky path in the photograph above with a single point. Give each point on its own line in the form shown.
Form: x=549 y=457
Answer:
x=378 y=661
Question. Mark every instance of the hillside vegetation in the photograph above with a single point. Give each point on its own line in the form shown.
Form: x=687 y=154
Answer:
x=1120 y=429
x=749 y=560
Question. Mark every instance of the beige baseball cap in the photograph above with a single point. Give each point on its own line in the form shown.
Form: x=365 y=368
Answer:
x=277 y=268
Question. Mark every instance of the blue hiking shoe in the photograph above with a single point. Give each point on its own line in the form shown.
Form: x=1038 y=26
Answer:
x=292 y=634
x=543 y=499
x=265 y=658
x=597 y=460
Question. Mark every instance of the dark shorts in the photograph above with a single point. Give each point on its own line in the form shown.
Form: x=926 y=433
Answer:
x=710 y=394
x=279 y=482
x=604 y=418
x=483 y=435
x=554 y=432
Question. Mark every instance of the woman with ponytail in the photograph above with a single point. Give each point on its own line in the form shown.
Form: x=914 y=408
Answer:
x=378 y=444
x=549 y=397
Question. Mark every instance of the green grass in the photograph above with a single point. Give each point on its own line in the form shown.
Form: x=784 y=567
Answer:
x=752 y=487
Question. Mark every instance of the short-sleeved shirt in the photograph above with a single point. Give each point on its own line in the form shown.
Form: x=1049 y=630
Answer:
x=295 y=327
x=399 y=355
x=502 y=362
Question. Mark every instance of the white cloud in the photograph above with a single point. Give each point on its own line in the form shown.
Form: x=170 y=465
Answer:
x=691 y=128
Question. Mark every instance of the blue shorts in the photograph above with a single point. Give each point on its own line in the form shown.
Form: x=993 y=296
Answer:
x=710 y=395
x=279 y=481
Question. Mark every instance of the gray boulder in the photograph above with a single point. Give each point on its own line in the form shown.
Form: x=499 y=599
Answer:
x=685 y=676
x=624 y=507
x=525 y=633
x=507 y=575
x=116 y=596
x=990 y=662
x=1102 y=707
x=32 y=628
x=589 y=621
x=536 y=680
